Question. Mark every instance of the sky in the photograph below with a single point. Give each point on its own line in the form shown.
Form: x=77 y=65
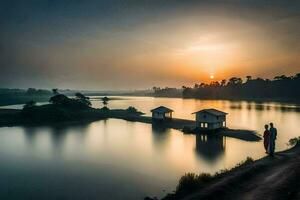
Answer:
x=138 y=44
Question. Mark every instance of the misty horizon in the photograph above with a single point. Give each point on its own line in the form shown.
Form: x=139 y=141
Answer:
x=118 y=91
x=117 y=45
x=149 y=99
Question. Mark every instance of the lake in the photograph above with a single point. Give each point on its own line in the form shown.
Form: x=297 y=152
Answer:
x=117 y=159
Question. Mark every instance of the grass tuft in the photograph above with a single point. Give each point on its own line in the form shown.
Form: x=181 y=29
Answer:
x=294 y=141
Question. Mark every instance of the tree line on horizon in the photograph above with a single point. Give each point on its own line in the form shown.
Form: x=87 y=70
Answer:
x=281 y=87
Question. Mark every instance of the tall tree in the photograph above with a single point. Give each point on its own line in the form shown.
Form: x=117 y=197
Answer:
x=249 y=78
x=83 y=99
x=105 y=101
x=223 y=82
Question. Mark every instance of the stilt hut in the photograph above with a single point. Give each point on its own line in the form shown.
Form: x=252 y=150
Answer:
x=210 y=119
x=162 y=113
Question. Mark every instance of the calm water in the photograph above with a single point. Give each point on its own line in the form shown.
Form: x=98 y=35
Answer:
x=116 y=159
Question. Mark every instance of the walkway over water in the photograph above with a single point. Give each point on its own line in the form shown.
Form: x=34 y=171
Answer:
x=13 y=117
x=179 y=124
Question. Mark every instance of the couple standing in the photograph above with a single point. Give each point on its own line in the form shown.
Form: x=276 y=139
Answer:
x=270 y=136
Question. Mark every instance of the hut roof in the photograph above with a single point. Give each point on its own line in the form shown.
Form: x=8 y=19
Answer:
x=212 y=111
x=162 y=109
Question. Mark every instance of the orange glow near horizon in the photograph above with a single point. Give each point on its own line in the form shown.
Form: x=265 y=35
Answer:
x=181 y=48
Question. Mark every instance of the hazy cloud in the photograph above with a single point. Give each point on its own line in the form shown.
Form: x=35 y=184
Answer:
x=138 y=44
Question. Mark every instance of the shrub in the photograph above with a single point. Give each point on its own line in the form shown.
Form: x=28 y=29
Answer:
x=59 y=99
x=191 y=181
x=83 y=99
x=131 y=109
x=104 y=108
x=66 y=102
x=105 y=101
x=294 y=141
x=248 y=161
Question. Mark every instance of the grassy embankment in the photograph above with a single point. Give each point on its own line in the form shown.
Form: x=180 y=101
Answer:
x=267 y=178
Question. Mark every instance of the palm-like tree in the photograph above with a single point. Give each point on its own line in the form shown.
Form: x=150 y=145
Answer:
x=105 y=101
x=223 y=82
x=249 y=78
x=55 y=91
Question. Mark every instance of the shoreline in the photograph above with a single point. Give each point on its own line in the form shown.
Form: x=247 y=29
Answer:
x=43 y=117
x=256 y=100
x=266 y=178
x=232 y=184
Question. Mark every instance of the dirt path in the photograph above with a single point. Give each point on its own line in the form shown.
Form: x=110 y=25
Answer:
x=267 y=179
x=273 y=184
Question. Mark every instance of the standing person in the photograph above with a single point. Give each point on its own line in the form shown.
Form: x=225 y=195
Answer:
x=273 y=136
x=266 y=138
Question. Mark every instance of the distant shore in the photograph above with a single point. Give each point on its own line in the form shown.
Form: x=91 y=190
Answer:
x=258 y=100
x=262 y=99
x=22 y=99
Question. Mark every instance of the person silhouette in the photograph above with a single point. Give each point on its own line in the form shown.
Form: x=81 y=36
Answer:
x=266 y=138
x=273 y=137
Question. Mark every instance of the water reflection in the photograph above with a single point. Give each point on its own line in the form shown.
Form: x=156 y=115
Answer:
x=160 y=135
x=210 y=147
x=30 y=134
x=158 y=129
x=249 y=106
x=54 y=139
x=57 y=138
x=116 y=159
x=236 y=105
x=283 y=108
x=261 y=106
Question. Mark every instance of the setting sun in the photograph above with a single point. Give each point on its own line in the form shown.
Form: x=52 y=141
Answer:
x=139 y=99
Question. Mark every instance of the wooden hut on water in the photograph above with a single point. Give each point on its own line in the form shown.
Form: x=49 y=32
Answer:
x=210 y=119
x=161 y=113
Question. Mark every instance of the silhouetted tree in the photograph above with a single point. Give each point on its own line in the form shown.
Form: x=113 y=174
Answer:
x=105 y=101
x=31 y=91
x=168 y=92
x=59 y=99
x=55 y=91
x=215 y=84
x=249 y=78
x=223 y=82
x=234 y=81
x=281 y=87
x=282 y=77
x=297 y=76
x=83 y=99
x=155 y=88
x=131 y=109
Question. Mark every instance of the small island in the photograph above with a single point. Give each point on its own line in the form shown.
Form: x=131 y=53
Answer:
x=62 y=110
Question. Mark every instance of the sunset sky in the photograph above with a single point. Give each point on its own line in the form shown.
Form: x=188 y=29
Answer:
x=137 y=44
